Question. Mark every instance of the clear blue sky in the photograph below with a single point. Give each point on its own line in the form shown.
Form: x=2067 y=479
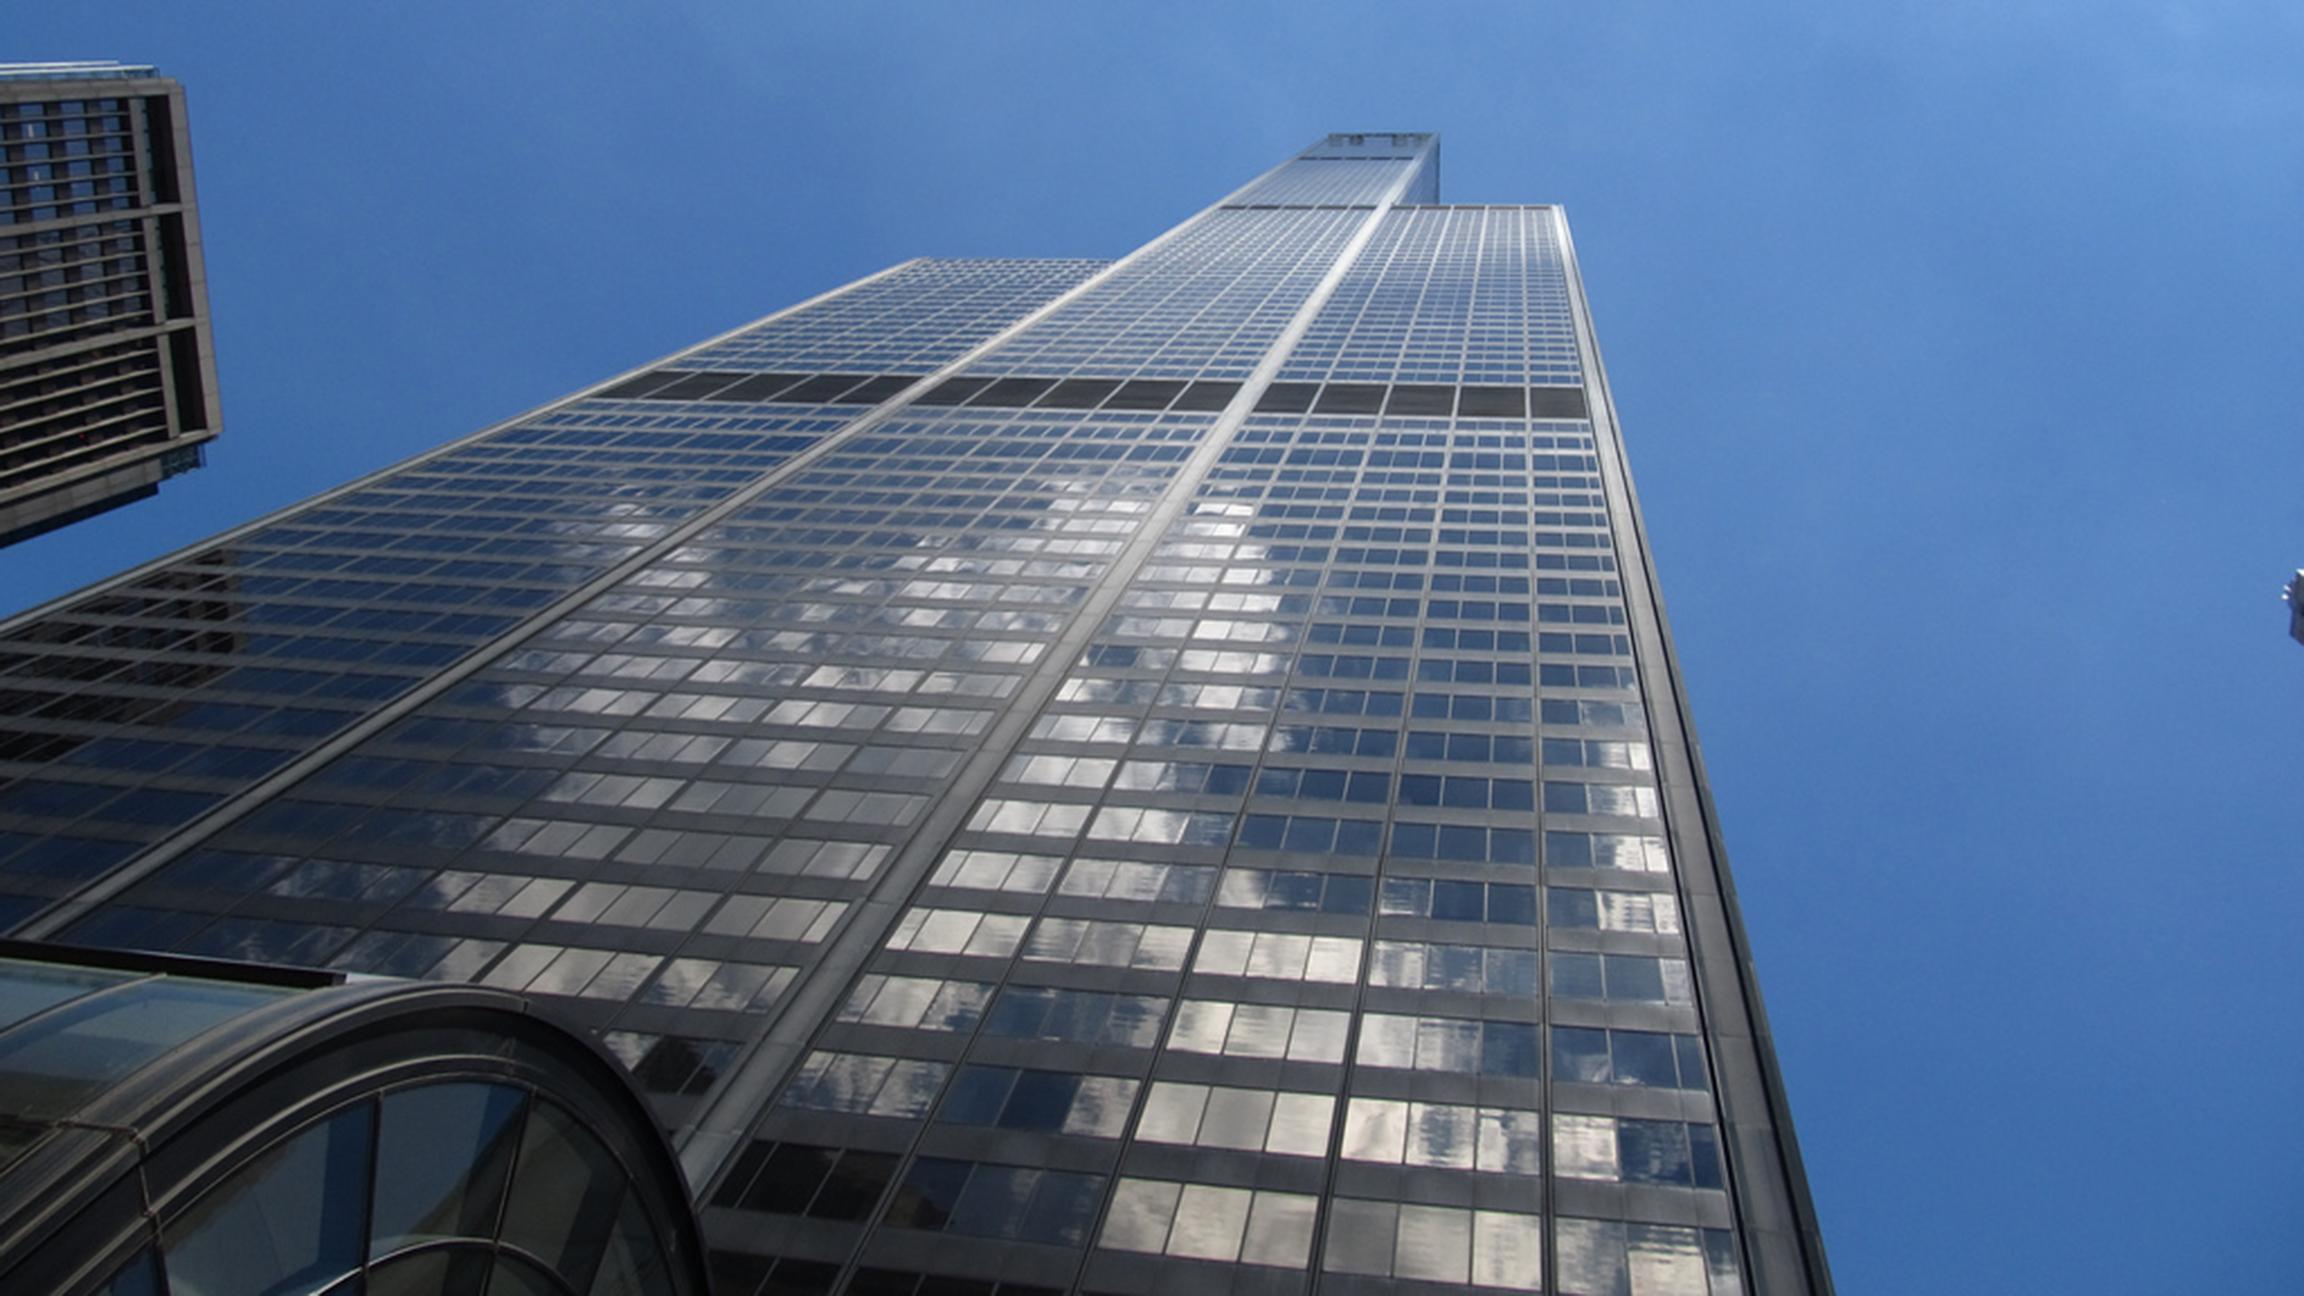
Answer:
x=1957 y=344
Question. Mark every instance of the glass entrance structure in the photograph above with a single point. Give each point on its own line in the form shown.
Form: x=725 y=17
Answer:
x=1057 y=776
x=176 y=1128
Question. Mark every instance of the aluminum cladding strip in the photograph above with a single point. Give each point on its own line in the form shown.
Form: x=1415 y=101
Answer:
x=1783 y=1248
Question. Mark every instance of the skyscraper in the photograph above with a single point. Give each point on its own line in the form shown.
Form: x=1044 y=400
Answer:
x=1116 y=777
x=107 y=375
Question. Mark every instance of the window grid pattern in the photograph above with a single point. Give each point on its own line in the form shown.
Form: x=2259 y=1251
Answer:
x=1272 y=854
x=1206 y=304
x=912 y=321
x=660 y=804
x=1322 y=926
x=133 y=711
x=1315 y=182
x=1449 y=295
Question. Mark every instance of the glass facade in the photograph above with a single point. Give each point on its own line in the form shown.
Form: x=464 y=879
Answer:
x=1069 y=776
x=165 y=1129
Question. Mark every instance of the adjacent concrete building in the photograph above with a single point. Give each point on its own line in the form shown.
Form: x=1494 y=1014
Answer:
x=1142 y=776
x=107 y=372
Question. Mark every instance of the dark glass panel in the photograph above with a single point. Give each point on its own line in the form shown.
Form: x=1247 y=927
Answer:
x=803 y=1278
x=52 y=1066
x=1079 y=393
x=1144 y=394
x=854 y=1186
x=138 y=1277
x=1287 y=398
x=875 y=390
x=291 y=1221
x=1492 y=402
x=1643 y=1058
x=977 y=1095
x=435 y=1272
x=565 y=1190
x=953 y=391
x=1350 y=398
x=1013 y=392
x=759 y=387
x=823 y=388
x=1557 y=403
x=446 y=1151
x=1207 y=396
x=28 y=988
x=634 y=1264
x=1410 y=399
x=929 y=1192
x=632 y=388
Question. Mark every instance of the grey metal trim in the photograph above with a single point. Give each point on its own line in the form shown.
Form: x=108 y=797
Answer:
x=1782 y=1243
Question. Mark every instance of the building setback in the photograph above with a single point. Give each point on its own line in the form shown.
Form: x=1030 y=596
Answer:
x=1123 y=777
x=107 y=374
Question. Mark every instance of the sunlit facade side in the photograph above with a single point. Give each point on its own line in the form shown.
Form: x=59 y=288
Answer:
x=1103 y=777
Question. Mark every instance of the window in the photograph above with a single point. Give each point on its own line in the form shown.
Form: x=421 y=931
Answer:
x=1045 y=1102
x=1496 y=1249
x=1076 y=1016
x=1625 y=911
x=1313 y=834
x=1304 y=892
x=1464 y=843
x=787 y=918
x=1450 y=901
x=1448 y=1044
x=1206 y=1222
x=1259 y=1030
x=1250 y=1120
x=1089 y=942
x=1613 y=1258
x=1133 y=880
x=916 y=1003
x=1472 y=969
x=1588 y=1055
x=1600 y=799
x=303 y=1198
x=710 y=983
x=1283 y=956
x=997 y=871
x=1494 y=1140
x=1009 y=1203
x=958 y=931
x=1622 y=978
x=804 y=1179
x=1637 y=853
x=865 y=1085
x=1623 y=1150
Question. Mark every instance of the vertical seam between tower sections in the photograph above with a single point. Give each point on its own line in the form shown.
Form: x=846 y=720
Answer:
x=707 y=1142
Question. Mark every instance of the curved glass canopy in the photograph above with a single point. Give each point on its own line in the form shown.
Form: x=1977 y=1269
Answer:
x=169 y=1133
